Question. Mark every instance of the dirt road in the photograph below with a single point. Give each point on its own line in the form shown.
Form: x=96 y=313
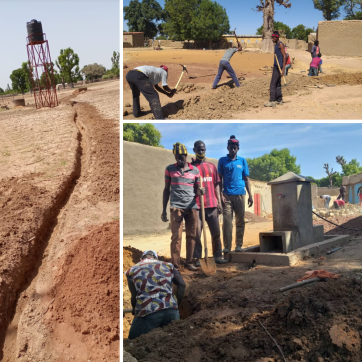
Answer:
x=59 y=197
x=337 y=95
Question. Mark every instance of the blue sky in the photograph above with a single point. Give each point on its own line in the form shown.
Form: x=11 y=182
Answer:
x=90 y=27
x=314 y=144
x=246 y=21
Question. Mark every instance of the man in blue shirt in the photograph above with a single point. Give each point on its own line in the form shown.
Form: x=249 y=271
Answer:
x=234 y=175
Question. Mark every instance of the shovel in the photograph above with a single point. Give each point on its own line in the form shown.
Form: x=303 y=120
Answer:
x=285 y=82
x=208 y=266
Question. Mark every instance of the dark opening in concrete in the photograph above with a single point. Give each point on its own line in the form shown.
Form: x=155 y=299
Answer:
x=272 y=244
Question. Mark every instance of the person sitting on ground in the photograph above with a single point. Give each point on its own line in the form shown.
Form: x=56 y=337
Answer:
x=327 y=200
x=314 y=66
x=153 y=303
x=225 y=65
x=339 y=204
x=288 y=63
x=182 y=184
x=145 y=80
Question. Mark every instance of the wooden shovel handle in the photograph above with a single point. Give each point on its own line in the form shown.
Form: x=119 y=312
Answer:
x=203 y=219
x=179 y=79
x=285 y=82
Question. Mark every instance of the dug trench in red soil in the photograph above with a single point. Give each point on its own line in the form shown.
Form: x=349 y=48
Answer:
x=227 y=317
x=32 y=218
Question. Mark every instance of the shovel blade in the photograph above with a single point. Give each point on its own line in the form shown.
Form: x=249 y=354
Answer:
x=208 y=266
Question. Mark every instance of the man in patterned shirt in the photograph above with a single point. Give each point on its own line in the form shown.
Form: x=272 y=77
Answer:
x=153 y=303
x=182 y=184
x=212 y=203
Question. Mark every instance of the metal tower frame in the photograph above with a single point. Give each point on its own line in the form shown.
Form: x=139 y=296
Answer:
x=41 y=72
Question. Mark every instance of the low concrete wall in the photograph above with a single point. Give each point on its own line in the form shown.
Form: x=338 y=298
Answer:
x=350 y=30
x=143 y=184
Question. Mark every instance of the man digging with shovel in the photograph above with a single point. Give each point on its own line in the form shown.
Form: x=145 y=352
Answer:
x=212 y=204
x=278 y=72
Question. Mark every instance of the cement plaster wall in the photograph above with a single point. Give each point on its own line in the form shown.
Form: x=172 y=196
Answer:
x=352 y=184
x=351 y=31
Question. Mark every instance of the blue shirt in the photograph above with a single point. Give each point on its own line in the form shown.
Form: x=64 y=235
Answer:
x=233 y=172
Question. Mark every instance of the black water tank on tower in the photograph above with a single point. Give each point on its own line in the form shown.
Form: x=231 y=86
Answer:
x=35 y=31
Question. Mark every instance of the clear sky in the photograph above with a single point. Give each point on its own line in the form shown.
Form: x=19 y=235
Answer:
x=314 y=144
x=90 y=27
x=246 y=21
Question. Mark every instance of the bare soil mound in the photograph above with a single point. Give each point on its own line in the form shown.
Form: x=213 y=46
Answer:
x=87 y=294
x=350 y=222
x=221 y=103
x=254 y=218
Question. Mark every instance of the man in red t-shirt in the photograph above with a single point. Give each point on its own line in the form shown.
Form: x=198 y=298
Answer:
x=212 y=203
x=338 y=204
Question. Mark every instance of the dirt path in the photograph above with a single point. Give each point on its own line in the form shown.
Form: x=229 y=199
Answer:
x=65 y=300
x=223 y=316
x=337 y=98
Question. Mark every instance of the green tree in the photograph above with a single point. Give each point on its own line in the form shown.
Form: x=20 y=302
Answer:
x=329 y=8
x=281 y=27
x=351 y=168
x=68 y=64
x=209 y=22
x=115 y=63
x=272 y=165
x=144 y=16
x=1 y=90
x=18 y=80
x=93 y=71
x=267 y=7
x=26 y=70
x=146 y=134
x=353 y=9
x=179 y=16
x=301 y=32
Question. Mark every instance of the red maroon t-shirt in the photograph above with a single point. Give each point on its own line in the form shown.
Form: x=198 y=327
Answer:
x=210 y=178
x=340 y=202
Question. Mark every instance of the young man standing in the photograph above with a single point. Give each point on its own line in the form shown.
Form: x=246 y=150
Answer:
x=275 y=83
x=182 y=183
x=145 y=80
x=225 y=65
x=153 y=302
x=212 y=202
x=234 y=175
x=342 y=193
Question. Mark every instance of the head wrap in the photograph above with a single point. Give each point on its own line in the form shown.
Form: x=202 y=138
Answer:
x=275 y=34
x=150 y=253
x=164 y=67
x=233 y=141
x=179 y=149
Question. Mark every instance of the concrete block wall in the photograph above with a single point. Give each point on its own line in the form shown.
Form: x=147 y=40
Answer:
x=349 y=30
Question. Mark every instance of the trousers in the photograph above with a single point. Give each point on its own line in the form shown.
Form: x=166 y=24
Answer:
x=276 y=86
x=143 y=325
x=139 y=83
x=177 y=216
x=225 y=65
x=212 y=220
x=236 y=204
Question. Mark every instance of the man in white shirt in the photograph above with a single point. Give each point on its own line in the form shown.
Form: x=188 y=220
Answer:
x=145 y=80
x=327 y=200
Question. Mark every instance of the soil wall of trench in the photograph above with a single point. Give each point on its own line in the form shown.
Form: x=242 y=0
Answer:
x=83 y=298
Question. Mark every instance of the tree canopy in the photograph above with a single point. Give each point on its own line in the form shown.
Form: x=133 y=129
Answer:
x=1 y=90
x=144 y=16
x=146 y=134
x=281 y=27
x=329 y=8
x=272 y=165
x=301 y=32
x=18 y=80
x=353 y=9
x=115 y=63
x=93 y=71
x=68 y=64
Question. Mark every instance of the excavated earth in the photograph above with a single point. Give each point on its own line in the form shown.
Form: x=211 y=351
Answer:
x=239 y=314
x=59 y=210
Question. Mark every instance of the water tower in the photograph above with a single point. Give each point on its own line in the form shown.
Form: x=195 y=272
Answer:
x=40 y=66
